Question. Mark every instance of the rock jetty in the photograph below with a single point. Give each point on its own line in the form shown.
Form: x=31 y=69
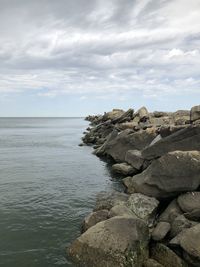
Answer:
x=156 y=221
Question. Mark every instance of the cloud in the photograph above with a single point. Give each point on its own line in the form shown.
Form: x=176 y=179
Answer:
x=99 y=47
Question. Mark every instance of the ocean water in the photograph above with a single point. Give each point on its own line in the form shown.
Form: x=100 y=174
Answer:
x=47 y=185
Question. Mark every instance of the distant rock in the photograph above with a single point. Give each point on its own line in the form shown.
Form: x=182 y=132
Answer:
x=195 y=113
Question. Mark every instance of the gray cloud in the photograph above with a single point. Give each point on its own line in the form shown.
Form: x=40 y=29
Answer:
x=98 y=46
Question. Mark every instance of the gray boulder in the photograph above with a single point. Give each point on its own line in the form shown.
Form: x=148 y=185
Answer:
x=123 y=169
x=190 y=204
x=195 y=113
x=171 y=212
x=160 y=231
x=173 y=173
x=134 y=158
x=186 y=139
x=121 y=210
x=119 y=241
x=93 y=218
x=179 y=224
x=152 y=263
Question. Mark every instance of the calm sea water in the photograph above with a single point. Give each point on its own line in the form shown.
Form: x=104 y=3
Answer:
x=47 y=185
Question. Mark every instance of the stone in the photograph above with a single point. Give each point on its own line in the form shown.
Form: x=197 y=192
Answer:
x=195 y=113
x=186 y=139
x=93 y=218
x=128 y=185
x=108 y=200
x=166 y=256
x=115 y=113
x=179 y=224
x=171 y=212
x=160 y=231
x=143 y=114
x=190 y=204
x=181 y=117
x=126 y=116
x=121 y=210
x=134 y=158
x=118 y=145
x=190 y=243
x=168 y=176
x=152 y=263
x=143 y=207
x=123 y=169
x=119 y=241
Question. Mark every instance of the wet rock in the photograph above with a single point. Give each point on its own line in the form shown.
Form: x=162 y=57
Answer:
x=134 y=158
x=186 y=139
x=119 y=241
x=123 y=169
x=195 y=113
x=109 y=200
x=173 y=173
x=166 y=256
x=160 y=231
x=93 y=218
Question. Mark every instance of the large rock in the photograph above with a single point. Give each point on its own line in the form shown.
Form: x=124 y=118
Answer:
x=195 y=113
x=143 y=207
x=121 y=210
x=93 y=218
x=160 y=231
x=180 y=224
x=115 y=113
x=119 y=241
x=166 y=256
x=186 y=139
x=126 y=116
x=171 y=212
x=190 y=204
x=190 y=243
x=109 y=200
x=181 y=117
x=134 y=158
x=173 y=173
x=143 y=114
x=119 y=144
x=152 y=263
x=123 y=169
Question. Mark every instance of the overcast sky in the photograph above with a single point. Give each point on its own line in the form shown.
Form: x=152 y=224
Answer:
x=75 y=57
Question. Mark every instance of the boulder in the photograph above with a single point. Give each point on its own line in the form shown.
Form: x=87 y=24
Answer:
x=93 y=218
x=179 y=224
x=152 y=263
x=119 y=144
x=171 y=212
x=181 y=117
x=159 y=114
x=123 y=169
x=195 y=113
x=173 y=173
x=121 y=210
x=126 y=116
x=160 y=231
x=190 y=243
x=143 y=207
x=143 y=114
x=119 y=241
x=190 y=204
x=128 y=185
x=115 y=113
x=134 y=158
x=186 y=139
x=166 y=256
x=109 y=200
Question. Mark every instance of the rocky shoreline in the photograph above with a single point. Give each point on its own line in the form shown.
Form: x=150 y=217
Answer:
x=156 y=221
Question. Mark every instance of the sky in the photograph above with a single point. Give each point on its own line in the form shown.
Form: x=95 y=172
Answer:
x=79 y=57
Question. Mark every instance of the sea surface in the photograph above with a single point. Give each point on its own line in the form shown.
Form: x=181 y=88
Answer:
x=47 y=185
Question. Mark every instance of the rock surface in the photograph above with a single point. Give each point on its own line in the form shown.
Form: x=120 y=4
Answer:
x=124 y=169
x=94 y=218
x=160 y=231
x=119 y=241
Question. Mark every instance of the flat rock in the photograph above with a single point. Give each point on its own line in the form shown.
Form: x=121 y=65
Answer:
x=186 y=139
x=160 y=231
x=173 y=173
x=134 y=158
x=166 y=256
x=119 y=241
x=93 y=218
x=143 y=207
x=123 y=169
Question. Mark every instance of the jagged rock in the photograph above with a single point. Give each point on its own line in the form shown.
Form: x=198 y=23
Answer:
x=186 y=139
x=128 y=185
x=134 y=158
x=126 y=116
x=181 y=117
x=190 y=204
x=115 y=113
x=119 y=144
x=143 y=114
x=123 y=169
x=173 y=173
x=121 y=210
x=160 y=231
x=93 y=218
x=109 y=200
x=158 y=114
x=143 y=207
x=152 y=263
x=179 y=224
x=195 y=113
x=190 y=243
x=119 y=241
x=165 y=130
x=171 y=212
x=166 y=256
